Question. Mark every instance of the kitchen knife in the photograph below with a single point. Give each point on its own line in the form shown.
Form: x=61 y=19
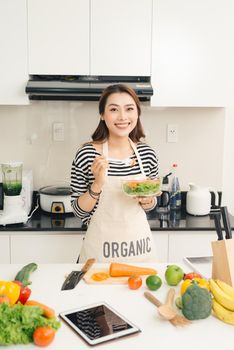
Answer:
x=218 y=227
x=75 y=276
x=226 y=223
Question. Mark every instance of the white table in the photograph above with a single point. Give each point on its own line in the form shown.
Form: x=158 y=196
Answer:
x=156 y=333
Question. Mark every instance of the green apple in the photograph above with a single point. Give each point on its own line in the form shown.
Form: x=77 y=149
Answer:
x=173 y=275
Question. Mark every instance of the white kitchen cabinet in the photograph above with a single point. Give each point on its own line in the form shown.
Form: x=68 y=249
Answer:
x=64 y=247
x=96 y=37
x=13 y=57
x=58 y=36
x=121 y=33
x=4 y=249
x=190 y=61
x=190 y=243
x=161 y=244
x=46 y=247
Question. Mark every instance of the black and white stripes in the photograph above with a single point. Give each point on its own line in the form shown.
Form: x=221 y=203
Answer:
x=82 y=177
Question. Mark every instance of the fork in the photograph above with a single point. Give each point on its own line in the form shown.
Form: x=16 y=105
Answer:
x=177 y=320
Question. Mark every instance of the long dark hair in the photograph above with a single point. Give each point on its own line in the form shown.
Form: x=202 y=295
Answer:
x=101 y=133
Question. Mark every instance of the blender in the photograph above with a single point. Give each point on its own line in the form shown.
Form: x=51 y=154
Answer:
x=13 y=211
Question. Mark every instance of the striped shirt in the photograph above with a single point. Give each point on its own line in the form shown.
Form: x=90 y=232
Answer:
x=82 y=177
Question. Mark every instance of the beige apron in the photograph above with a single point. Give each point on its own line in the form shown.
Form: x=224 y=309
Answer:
x=118 y=230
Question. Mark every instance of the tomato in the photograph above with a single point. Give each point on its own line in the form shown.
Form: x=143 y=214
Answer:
x=4 y=299
x=191 y=275
x=43 y=336
x=153 y=282
x=201 y=282
x=134 y=282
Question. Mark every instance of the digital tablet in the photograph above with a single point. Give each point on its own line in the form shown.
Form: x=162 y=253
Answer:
x=98 y=323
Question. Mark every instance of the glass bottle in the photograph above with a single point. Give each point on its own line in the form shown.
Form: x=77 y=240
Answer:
x=175 y=192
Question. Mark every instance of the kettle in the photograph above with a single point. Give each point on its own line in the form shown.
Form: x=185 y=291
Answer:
x=198 y=201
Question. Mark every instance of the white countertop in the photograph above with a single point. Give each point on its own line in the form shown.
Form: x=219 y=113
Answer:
x=156 y=333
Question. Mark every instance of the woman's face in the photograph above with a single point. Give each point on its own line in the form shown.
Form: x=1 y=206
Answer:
x=120 y=114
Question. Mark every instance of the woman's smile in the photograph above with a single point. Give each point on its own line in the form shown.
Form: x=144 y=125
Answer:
x=123 y=125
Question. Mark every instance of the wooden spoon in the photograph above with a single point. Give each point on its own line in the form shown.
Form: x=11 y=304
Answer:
x=165 y=310
x=178 y=320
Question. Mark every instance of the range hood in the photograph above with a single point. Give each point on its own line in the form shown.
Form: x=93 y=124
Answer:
x=82 y=87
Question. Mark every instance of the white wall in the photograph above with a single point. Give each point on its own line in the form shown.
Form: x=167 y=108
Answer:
x=199 y=151
x=228 y=155
x=228 y=168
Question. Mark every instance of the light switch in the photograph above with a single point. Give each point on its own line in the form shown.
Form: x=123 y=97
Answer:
x=58 y=131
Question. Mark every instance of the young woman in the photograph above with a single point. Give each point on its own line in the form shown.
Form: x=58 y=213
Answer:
x=118 y=229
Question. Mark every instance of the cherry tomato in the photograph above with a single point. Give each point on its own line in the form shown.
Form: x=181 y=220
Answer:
x=134 y=282
x=191 y=275
x=43 y=336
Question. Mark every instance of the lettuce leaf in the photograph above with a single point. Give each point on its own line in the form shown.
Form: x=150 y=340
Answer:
x=18 y=322
x=142 y=188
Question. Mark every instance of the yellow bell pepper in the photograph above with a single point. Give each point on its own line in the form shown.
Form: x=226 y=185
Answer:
x=11 y=290
x=201 y=282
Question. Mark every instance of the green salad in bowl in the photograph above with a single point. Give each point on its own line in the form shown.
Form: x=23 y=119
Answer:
x=142 y=188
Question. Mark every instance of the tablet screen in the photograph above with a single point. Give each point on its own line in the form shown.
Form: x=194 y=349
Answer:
x=98 y=323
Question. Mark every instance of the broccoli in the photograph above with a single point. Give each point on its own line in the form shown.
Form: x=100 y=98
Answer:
x=196 y=303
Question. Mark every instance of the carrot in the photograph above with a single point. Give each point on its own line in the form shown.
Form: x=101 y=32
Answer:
x=132 y=184
x=47 y=311
x=100 y=276
x=118 y=270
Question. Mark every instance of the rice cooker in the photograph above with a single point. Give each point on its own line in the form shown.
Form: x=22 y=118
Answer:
x=56 y=199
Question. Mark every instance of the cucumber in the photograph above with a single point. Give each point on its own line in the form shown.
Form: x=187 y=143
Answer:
x=23 y=275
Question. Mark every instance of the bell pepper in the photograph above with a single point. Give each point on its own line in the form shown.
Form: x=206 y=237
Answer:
x=25 y=293
x=11 y=290
x=201 y=282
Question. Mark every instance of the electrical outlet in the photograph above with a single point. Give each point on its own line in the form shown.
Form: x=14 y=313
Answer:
x=58 y=131
x=172 y=133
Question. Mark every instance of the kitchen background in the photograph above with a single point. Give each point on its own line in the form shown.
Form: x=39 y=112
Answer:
x=192 y=70
x=27 y=135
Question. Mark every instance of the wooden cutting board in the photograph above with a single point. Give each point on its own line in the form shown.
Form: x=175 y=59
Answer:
x=111 y=280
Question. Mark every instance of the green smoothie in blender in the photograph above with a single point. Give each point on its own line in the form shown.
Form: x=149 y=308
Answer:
x=12 y=179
